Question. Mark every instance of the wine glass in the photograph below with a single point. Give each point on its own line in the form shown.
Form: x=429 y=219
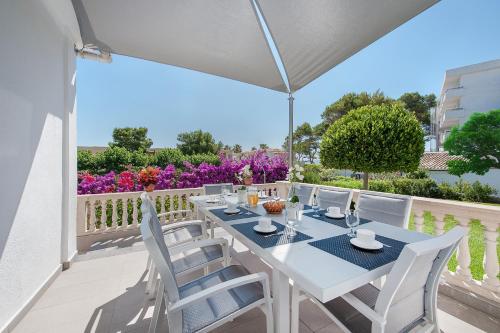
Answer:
x=352 y=220
x=315 y=206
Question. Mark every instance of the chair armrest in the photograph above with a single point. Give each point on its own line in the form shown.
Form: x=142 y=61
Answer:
x=182 y=224
x=176 y=249
x=363 y=308
x=179 y=211
x=206 y=293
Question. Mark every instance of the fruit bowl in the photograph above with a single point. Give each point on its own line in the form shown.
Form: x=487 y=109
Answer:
x=274 y=207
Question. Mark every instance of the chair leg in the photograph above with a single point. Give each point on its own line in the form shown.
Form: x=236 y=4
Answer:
x=151 y=279
x=295 y=309
x=150 y=286
x=158 y=309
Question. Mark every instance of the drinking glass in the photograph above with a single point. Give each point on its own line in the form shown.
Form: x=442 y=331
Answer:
x=352 y=220
x=290 y=222
x=315 y=206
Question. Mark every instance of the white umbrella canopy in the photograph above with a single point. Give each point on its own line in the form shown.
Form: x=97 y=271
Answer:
x=313 y=36
x=222 y=37
x=227 y=38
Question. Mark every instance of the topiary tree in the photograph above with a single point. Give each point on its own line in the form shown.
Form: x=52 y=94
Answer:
x=478 y=140
x=374 y=138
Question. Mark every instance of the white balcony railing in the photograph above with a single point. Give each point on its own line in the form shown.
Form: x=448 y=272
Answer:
x=94 y=222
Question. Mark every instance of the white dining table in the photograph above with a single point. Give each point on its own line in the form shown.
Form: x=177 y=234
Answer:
x=319 y=273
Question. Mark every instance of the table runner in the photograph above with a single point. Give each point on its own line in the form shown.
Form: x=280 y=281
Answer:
x=219 y=212
x=341 y=247
x=247 y=230
x=338 y=222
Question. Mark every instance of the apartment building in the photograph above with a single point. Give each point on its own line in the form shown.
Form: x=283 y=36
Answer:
x=468 y=89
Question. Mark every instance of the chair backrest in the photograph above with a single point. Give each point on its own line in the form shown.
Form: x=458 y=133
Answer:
x=410 y=291
x=152 y=236
x=211 y=189
x=304 y=192
x=334 y=196
x=387 y=208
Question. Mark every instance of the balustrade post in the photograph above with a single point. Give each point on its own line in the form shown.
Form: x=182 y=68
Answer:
x=114 y=215
x=419 y=220
x=439 y=223
x=134 y=212
x=463 y=253
x=104 y=215
x=125 y=213
x=92 y=221
x=490 y=257
x=162 y=208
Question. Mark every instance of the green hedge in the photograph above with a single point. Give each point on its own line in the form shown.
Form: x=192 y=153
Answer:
x=416 y=183
x=119 y=159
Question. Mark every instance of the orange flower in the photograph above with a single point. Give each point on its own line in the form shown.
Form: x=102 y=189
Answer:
x=149 y=175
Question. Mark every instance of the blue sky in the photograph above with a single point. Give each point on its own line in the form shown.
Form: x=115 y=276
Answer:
x=168 y=100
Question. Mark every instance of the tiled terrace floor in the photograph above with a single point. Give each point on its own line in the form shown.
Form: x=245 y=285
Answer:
x=104 y=292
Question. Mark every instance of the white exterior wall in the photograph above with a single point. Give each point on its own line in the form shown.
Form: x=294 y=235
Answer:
x=491 y=178
x=481 y=92
x=37 y=151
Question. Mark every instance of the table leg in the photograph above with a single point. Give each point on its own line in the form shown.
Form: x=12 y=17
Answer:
x=281 y=302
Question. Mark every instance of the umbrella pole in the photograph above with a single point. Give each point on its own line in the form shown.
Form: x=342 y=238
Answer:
x=290 y=130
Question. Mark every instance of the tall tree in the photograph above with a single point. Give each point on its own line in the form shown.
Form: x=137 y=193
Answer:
x=131 y=138
x=420 y=105
x=263 y=146
x=237 y=148
x=197 y=142
x=478 y=141
x=349 y=102
x=374 y=138
x=305 y=142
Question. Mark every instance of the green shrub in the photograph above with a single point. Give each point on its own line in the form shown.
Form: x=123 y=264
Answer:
x=139 y=159
x=346 y=182
x=86 y=161
x=475 y=192
x=418 y=174
x=311 y=173
x=114 y=159
x=197 y=159
x=168 y=156
x=328 y=174
x=381 y=186
x=416 y=187
x=448 y=192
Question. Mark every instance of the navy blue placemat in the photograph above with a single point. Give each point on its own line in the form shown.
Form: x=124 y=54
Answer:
x=338 y=222
x=341 y=247
x=247 y=230
x=219 y=212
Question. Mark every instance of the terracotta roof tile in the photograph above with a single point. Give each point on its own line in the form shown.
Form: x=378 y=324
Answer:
x=437 y=160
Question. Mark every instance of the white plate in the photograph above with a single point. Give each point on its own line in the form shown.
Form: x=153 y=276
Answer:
x=373 y=245
x=232 y=211
x=212 y=201
x=263 y=197
x=340 y=216
x=265 y=231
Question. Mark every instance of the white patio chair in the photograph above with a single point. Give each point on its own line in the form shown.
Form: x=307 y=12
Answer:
x=407 y=300
x=393 y=209
x=304 y=192
x=334 y=196
x=208 y=302
x=182 y=237
x=211 y=189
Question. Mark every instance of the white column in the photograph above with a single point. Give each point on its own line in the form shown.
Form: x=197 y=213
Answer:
x=439 y=223
x=418 y=217
x=490 y=256
x=463 y=255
